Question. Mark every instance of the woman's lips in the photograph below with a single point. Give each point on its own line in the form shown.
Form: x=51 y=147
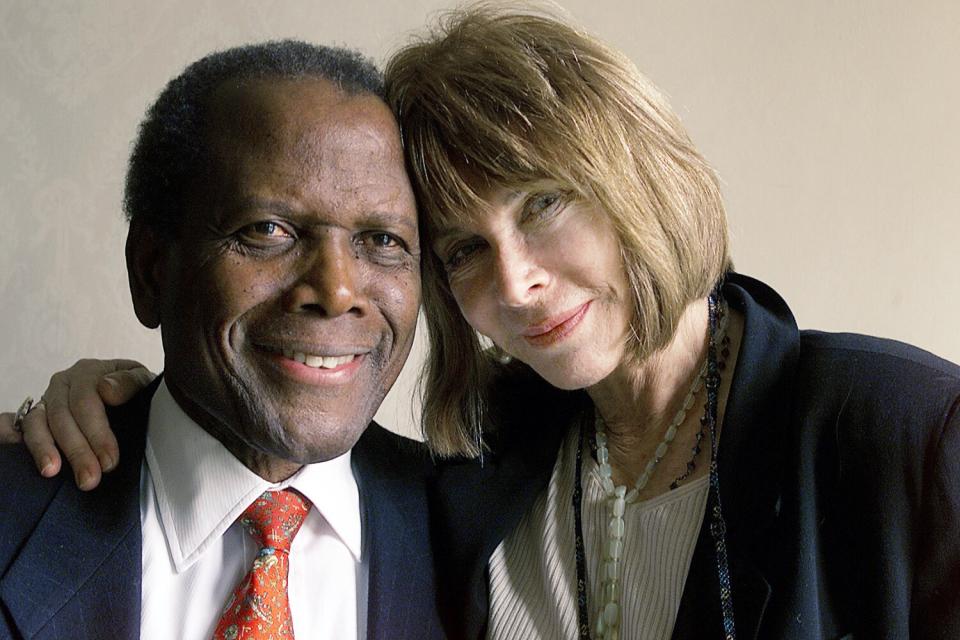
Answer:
x=556 y=329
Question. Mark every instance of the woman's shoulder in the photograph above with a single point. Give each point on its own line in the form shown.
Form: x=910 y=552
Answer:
x=879 y=370
x=882 y=352
x=880 y=397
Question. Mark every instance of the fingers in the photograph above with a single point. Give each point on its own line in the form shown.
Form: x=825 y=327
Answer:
x=120 y=386
x=39 y=441
x=77 y=421
x=8 y=435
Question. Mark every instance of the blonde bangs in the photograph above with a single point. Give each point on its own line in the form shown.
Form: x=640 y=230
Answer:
x=492 y=110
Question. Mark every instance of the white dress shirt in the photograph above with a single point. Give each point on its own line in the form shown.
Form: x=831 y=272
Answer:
x=192 y=490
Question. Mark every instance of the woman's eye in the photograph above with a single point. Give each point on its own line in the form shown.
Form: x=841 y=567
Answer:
x=459 y=255
x=541 y=206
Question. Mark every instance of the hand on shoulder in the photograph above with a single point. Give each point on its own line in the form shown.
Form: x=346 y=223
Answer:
x=72 y=421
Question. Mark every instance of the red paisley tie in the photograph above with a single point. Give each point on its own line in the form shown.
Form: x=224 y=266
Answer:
x=258 y=609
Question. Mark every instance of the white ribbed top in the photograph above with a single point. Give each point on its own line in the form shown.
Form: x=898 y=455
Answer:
x=533 y=575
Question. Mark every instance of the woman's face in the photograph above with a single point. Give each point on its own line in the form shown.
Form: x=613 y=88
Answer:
x=541 y=274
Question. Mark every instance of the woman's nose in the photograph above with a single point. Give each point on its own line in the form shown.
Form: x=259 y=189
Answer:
x=520 y=276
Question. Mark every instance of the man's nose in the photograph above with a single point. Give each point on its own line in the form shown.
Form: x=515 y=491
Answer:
x=329 y=281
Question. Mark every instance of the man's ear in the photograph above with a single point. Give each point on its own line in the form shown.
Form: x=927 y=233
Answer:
x=146 y=258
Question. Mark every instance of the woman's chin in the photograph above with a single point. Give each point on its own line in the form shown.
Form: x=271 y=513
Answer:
x=570 y=378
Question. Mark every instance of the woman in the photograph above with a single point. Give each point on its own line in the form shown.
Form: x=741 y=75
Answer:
x=663 y=452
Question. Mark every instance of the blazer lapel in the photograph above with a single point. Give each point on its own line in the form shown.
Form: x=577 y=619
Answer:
x=750 y=459
x=78 y=575
x=401 y=591
x=475 y=504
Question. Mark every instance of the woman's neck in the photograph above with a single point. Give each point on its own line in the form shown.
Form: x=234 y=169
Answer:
x=639 y=401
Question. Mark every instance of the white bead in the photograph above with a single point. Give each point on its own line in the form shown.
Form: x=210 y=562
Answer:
x=609 y=570
x=670 y=434
x=605 y=470
x=642 y=481
x=601 y=439
x=620 y=491
x=611 y=614
x=611 y=591
x=661 y=450
x=607 y=485
x=650 y=465
x=631 y=497
x=614 y=549
x=619 y=507
x=678 y=419
x=689 y=401
x=601 y=627
x=602 y=456
x=615 y=528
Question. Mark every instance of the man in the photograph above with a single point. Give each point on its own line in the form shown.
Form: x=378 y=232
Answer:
x=273 y=239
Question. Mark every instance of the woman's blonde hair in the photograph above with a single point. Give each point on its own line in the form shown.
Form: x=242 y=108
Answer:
x=512 y=96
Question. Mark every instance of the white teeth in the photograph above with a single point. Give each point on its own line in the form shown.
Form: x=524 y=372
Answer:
x=318 y=362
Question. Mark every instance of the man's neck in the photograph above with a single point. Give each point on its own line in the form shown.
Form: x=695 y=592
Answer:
x=269 y=467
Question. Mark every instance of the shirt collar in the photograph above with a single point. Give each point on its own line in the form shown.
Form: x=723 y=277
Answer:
x=201 y=488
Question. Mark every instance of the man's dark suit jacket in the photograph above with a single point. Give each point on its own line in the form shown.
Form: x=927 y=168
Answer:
x=839 y=477
x=70 y=562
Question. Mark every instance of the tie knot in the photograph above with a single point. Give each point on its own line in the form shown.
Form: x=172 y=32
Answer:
x=275 y=517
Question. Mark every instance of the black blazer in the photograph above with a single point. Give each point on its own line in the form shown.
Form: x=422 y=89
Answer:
x=839 y=476
x=70 y=562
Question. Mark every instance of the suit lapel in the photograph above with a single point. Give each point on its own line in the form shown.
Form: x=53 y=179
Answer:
x=401 y=591
x=78 y=575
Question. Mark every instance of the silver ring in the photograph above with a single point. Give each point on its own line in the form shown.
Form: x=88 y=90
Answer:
x=22 y=413
x=26 y=407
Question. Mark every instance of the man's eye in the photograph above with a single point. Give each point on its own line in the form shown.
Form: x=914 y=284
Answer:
x=383 y=246
x=264 y=235
x=382 y=240
x=268 y=229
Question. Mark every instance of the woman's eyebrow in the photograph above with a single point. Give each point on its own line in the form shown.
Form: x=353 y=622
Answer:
x=444 y=234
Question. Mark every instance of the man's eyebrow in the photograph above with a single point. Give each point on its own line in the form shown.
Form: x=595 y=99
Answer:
x=375 y=218
x=384 y=218
x=256 y=203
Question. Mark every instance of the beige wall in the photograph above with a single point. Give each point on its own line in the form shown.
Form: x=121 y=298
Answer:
x=834 y=126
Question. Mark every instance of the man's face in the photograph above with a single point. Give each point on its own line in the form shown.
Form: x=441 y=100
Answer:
x=289 y=297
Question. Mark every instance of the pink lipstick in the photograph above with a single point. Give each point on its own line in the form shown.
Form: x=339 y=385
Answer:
x=555 y=329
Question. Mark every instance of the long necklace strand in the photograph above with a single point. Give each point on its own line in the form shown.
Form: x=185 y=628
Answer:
x=608 y=619
x=718 y=526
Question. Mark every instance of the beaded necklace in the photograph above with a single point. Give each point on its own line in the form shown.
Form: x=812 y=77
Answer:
x=608 y=620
